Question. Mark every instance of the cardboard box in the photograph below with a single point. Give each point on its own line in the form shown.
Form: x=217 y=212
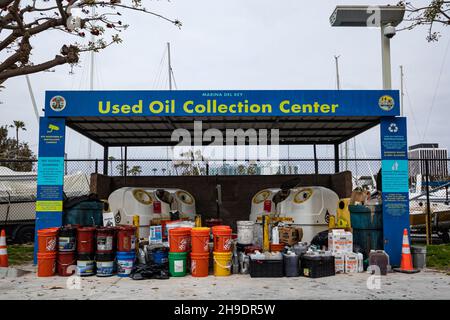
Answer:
x=351 y=262
x=339 y=262
x=300 y=233
x=340 y=241
x=359 y=197
x=290 y=235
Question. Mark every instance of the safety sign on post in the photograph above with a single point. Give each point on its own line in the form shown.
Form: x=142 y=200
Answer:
x=395 y=184
x=50 y=180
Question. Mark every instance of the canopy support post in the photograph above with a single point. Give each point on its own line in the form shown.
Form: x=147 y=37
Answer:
x=316 y=163
x=125 y=165
x=336 y=158
x=105 y=159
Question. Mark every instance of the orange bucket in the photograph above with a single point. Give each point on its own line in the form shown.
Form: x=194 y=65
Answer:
x=180 y=239
x=46 y=264
x=277 y=247
x=47 y=240
x=214 y=229
x=199 y=264
x=200 y=240
x=222 y=240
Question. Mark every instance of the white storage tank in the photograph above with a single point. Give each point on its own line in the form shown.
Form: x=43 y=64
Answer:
x=129 y=201
x=309 y=207
x=258 y=201
x=186 y=203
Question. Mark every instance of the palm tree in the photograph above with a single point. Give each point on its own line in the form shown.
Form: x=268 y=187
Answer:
x=135 y=171
x=19 y=125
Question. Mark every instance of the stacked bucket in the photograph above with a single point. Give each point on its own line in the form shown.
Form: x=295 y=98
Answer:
x=222 y=250
x=180 y=245
x=126 y=250
x=46 y=255
x=200 y=252
x=104 y=255
x=85 y=251
x=67 y=260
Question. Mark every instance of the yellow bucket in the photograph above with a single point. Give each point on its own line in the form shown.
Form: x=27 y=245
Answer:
x=222 y=263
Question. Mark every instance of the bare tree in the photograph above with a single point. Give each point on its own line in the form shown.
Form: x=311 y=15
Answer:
x=436 y=13
x=22 y=21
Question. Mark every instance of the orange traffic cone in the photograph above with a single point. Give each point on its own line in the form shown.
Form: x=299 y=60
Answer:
x=3 y=250
x=406 y=265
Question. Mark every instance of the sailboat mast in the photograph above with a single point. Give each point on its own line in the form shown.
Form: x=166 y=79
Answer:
x=91 y=84
x=338 y=82
x=338 y=85
x=169 y=66
x=401 y=90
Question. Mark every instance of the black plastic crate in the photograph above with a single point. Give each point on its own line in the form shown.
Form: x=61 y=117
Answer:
x=317 y=266
x=266 y=268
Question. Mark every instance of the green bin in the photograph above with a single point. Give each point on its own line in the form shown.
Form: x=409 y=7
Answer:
x=177 y=264
x=367 y=225
x=84 y=213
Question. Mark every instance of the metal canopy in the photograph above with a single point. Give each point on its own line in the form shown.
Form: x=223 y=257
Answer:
x=157 y=131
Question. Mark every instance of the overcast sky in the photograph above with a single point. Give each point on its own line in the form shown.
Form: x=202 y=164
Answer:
x=252 y=44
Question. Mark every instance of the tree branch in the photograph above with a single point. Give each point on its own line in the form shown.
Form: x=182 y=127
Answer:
x=5 y=3
x=21 y=55
x=113 y=5
x=36 y=17
x=58 y=60
x=62 y=11
x=8 y=40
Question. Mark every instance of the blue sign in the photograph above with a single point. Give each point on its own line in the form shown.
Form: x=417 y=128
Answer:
x=393 y=139
x=223 y=103
x=50 y=180
x=395 y=175
x=49 y=170
x=394 y=180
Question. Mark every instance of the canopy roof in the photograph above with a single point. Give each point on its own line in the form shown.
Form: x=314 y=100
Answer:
x=157 y=131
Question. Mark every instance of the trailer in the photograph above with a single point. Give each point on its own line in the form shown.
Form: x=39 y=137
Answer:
x=18 y=201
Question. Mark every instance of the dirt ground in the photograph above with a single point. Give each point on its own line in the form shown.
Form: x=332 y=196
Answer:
x=427 y=284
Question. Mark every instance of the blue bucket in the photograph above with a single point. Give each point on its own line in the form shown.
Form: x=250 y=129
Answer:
x=160 y=256
x=105 y=268
x=125 y=263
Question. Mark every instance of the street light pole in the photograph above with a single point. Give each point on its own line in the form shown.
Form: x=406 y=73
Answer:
x=385 y=17
x=386 y=60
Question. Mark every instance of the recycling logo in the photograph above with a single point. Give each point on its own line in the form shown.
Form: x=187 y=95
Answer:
x=393 y=128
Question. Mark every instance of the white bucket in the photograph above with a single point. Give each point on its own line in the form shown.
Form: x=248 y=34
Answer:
x=245 y=232
x=85 y=267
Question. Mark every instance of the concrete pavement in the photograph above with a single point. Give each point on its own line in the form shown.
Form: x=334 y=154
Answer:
x=424 y=285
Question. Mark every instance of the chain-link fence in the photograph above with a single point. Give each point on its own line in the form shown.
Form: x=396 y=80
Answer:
x=362 y=169
x=18 y=189
x=18 y=180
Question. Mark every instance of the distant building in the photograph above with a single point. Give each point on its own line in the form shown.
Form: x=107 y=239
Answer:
x=438 y=166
